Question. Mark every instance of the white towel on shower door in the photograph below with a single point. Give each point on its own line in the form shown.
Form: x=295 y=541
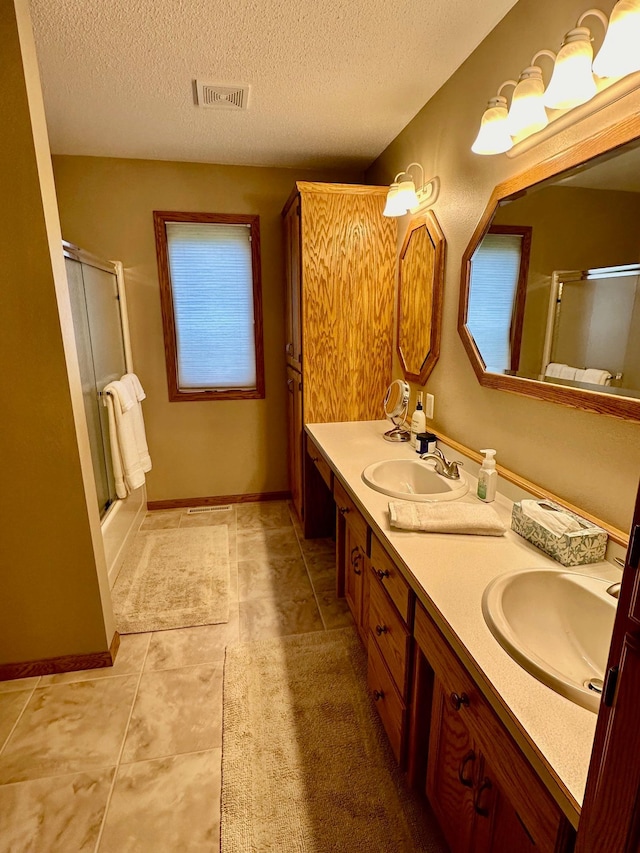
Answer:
x=133 y=386
x=127 y=469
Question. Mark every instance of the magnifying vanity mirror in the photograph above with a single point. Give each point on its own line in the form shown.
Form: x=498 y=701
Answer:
x=419 y=308
x=550 y=295
x=396 y=403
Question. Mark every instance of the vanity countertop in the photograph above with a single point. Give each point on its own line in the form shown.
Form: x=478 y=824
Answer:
x=449 y=574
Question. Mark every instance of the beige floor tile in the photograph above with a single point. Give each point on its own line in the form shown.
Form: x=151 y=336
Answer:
x=192 y=646
x=322 y=571
x=263 y=543
x=267 y=617
x=273 y=578
x=334 y=611
x=129 y=660
x=161 y=519
x=164 y=806
x=263 y=514
x=176 y=711
x=60 y=814
x=11 y=706
x=17 y=684
x=69 y=728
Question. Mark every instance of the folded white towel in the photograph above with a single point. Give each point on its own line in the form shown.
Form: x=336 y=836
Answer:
x=597 y=377
x=122 y=394
x=567 y=372
x=580 y=376
x=471 y=518
x=127 y=469
x=553 y=520
x=553 y=369
x=133 y=383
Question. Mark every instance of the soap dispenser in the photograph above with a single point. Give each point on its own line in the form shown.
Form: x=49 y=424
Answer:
x=418 y=421
x=487 y=477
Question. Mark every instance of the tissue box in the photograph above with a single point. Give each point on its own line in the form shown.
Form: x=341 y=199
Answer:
x=571 y=549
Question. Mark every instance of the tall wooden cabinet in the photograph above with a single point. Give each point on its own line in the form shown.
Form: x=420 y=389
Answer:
x=340 y=262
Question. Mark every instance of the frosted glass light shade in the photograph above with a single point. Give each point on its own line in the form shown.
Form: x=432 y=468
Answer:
x=572 y=80
x=493 y=136
x=393 y=207
x=407 y=194
x=620 y=51
x=527 y=113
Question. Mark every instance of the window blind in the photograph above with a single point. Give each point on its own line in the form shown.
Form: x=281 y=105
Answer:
x=495 y=267
x=212 y=291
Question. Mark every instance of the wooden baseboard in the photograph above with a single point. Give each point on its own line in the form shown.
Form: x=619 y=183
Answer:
x=217 y=500
x=64 y=663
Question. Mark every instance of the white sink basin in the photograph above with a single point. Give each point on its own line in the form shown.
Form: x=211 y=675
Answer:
x=557 y=624
x=413 y=480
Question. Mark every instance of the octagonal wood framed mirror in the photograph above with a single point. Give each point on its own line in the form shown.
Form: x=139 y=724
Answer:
x=419 y=305
x=550 y=288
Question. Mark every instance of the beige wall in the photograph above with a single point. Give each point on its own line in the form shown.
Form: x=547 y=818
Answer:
x=198 y=449
x=590 y=459
x=50 y=603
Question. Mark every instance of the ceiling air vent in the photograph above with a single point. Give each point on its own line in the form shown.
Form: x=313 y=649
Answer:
x=222 y=97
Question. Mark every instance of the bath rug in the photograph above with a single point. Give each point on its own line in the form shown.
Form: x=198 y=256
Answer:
x=173 y=579
x=306 y=767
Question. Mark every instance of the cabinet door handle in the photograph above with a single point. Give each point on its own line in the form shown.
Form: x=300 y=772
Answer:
x=382 y=574
x=378 y=694
x=381 y=629
x=356 y=556
x=290 y=384
x=467 y=781
x=343 y=510
x=458 y=700
x=485 y=785
x=289 y=349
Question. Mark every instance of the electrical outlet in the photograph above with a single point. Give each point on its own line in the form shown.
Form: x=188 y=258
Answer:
x=428 y=409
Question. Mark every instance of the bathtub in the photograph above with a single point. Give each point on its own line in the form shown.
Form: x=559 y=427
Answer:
x=119 y=525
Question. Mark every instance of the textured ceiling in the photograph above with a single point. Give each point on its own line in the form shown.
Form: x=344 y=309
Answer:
x=332 y=81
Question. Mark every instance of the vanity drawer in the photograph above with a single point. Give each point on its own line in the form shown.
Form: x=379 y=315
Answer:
x=388 y=701
x=390 y=634
x=390 y=578
x=318 y=460
x=351 y=514
x=509 y=767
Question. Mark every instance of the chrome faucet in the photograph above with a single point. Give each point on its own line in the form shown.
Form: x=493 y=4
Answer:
x=442 y=464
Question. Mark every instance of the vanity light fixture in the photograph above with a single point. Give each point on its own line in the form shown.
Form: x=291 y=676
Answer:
x=572 y=81
x=404 y=198
x=527 y=113
x=620 y=51
x=494 y=136
x=578 y=82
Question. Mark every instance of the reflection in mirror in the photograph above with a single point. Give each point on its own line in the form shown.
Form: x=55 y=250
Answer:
x=551 y=291
x=420 y=281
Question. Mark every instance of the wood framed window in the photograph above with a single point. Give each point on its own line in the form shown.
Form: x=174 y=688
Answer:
x=211 y=298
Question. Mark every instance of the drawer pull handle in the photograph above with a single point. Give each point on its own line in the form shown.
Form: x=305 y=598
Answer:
x=343 y=510
x=485 y=785
x=381 y=629
x=382 y=574
x=378 y=694
x=467 y=781
x=315 y=458
x=459 y=700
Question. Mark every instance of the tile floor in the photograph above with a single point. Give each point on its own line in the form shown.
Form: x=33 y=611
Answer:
x=128 y=758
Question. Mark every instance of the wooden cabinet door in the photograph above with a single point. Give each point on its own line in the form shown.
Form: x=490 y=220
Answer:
x=356 y=569
x=292 y=260
x=610 y=819
x=497 y=826
x=452 y=772
x=294 y=430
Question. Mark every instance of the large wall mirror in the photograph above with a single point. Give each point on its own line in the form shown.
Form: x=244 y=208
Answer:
x=419 y=309
x=550 y=295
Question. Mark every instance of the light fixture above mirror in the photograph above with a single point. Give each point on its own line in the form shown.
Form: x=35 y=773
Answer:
x=577 y=79
x=403 y=197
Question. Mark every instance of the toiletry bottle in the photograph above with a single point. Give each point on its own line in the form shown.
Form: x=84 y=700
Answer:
x=418 y=421
x=487 y=477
